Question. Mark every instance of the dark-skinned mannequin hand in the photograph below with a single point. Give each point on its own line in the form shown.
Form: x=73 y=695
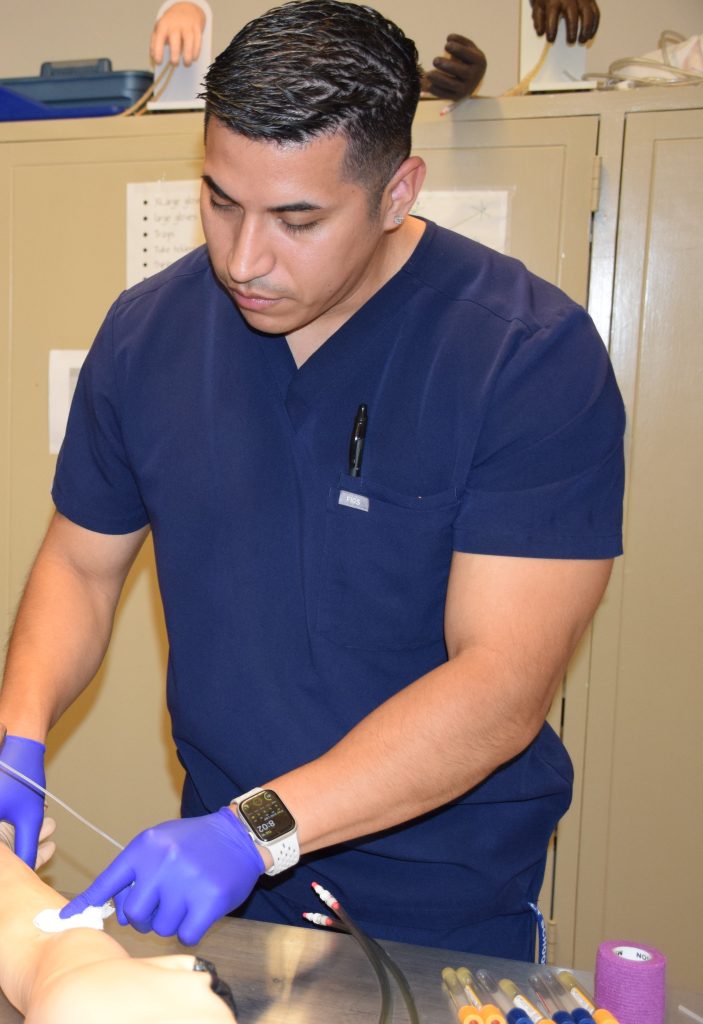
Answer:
x=581 y=17
x=458 y=72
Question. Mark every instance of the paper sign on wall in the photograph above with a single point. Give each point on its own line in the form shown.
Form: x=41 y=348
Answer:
x=64 y=367
x=481 y=214
x=163 y=224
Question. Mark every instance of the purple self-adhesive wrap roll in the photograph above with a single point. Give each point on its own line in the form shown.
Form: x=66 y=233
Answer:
x=631 y=982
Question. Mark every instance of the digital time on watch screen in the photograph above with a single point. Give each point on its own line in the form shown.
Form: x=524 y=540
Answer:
x=268 y=817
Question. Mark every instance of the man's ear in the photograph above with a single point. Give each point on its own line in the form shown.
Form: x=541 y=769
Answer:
x=402 y=191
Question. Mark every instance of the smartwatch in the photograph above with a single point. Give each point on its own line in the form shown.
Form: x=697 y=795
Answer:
x=271 y=826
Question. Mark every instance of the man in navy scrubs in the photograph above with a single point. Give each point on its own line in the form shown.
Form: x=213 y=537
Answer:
x=382 y=467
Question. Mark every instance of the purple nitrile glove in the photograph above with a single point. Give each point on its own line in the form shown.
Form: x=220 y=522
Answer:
x=178 y=877
x=21 y=805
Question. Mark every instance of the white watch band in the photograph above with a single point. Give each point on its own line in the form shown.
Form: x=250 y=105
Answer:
x=285 y=852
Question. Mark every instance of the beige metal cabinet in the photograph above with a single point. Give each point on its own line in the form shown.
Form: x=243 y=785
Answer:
x=641 y=828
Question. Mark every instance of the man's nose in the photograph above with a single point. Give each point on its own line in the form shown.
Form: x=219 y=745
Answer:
x=251 y=254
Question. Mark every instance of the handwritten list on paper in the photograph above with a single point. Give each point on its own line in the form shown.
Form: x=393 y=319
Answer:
x=163 y=224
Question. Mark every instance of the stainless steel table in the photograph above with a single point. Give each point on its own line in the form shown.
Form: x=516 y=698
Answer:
x=284 y=975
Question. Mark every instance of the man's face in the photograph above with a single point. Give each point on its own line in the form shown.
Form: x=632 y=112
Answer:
x=291 y=240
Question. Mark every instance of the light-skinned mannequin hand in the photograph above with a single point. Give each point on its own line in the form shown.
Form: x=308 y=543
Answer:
x=181 y=28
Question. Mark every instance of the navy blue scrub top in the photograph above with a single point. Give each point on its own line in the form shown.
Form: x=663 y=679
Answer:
x=495 y=426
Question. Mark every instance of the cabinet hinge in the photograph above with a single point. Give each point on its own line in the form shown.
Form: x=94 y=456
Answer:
x=595 y=182
x=551 y=940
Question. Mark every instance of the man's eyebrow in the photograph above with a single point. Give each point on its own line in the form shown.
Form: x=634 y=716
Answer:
x=214 y=187
x=300 y=207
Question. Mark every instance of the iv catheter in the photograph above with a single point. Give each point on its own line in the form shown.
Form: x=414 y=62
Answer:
x=46 y=792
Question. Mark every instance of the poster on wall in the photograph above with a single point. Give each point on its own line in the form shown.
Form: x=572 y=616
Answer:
x=64 y=367
x=481 y=214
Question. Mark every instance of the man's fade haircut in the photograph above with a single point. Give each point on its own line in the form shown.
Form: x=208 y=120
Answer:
x=317 y=67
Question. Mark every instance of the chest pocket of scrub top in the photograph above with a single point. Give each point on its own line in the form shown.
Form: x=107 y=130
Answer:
x=384 y=567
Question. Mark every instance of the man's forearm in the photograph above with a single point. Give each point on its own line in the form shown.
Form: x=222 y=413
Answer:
x=60 y=636
x=511 y=627
x=63 y=624
x=424 y=747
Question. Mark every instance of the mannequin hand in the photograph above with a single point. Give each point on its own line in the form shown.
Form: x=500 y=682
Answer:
x=181 y=27
x=178 y=877
x=47 y=847
x=458 y=74
x=546 y=14
x=20 y=805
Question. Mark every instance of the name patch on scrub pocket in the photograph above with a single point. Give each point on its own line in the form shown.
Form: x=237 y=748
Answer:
x=352 y=500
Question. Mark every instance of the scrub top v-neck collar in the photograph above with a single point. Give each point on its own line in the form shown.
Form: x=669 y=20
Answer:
x=375 y=325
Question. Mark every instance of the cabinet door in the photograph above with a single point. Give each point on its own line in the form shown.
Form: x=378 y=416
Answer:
x=641 y=839
x=63 y=202
x=545 y=164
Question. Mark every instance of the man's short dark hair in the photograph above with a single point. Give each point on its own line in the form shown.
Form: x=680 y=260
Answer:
x=318 y=67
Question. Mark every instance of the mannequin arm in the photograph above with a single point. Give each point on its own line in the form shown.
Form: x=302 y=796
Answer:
x=76 y=975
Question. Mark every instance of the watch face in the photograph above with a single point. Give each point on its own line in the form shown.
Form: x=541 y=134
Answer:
x=267 y=816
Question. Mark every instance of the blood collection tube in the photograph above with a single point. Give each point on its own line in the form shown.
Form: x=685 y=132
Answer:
x=468 y=983
x=520 y=1000
x=466 y=1013
x=552 y=1001
x=577 y=992
x=583 y=1001
x=502 y=1006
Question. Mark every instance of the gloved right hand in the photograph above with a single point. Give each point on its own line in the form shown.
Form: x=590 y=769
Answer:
x=21 y=805
x=178 y=877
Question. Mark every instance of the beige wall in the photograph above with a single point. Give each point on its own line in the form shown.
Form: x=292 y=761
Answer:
x=37 y=30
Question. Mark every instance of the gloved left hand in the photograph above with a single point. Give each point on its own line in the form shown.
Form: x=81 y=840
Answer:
x=20 y=804
x=178 y=877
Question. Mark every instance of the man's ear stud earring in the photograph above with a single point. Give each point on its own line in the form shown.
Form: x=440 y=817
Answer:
x=398 y=219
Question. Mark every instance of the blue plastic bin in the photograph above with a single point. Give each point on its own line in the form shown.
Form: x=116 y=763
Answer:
x=88 y=88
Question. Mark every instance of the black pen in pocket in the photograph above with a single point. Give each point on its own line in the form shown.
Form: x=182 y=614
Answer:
x=356 y=442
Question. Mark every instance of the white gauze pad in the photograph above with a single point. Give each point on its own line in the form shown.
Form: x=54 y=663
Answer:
x=92 y=917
